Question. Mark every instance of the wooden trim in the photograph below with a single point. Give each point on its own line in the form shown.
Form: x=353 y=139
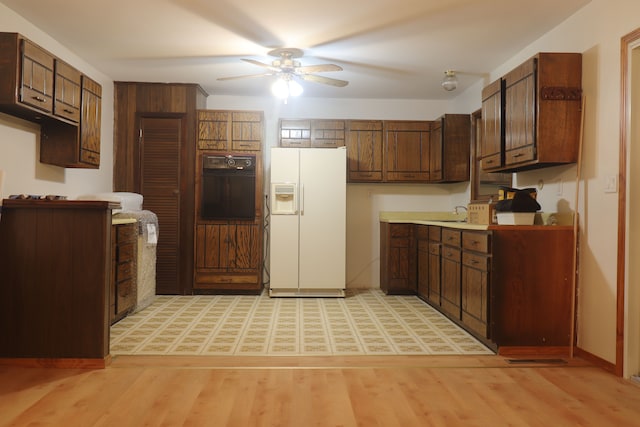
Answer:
x=595 y=360
x=65 y=363
x=625 y=106
x=508 y=351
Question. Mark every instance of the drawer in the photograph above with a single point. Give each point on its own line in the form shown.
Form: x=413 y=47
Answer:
x=125 y=295
x=434 y=248
x=519 y=155
x=399 y=230
x=479 y=262
x=452 y=254
x=474 y=241
x=491 y=162
x=125 y=253
x=435 y=233
x=365 y=176
x=126 y=232
x=451 y=237
x=422 y=232
x=124 y=271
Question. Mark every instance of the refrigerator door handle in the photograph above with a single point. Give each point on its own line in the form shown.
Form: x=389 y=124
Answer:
x=301 y=199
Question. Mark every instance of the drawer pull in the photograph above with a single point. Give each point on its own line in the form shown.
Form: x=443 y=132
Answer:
x=517 y=155
x=39 y=98
x=489 y=161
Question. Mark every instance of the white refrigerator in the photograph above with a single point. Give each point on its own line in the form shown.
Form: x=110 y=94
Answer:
x=308 y=222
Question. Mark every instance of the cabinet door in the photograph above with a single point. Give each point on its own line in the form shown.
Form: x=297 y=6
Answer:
x=246 y=131
x=213 y=130
x=491 y=142
x=90 y=122
x=67 y=91
x=407 y=151
x=475 y=289
x=397 y=259
x=36 y=80
x=327 y=133
x=364 y=151
x=295 y=133
x=227 y=247
x=520 y=113
x=230 y=130
x=434 y=273
x=422 y=237
x=450 y=279
x=435 y=151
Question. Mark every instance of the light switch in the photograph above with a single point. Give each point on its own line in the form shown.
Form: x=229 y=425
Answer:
x=611 y=184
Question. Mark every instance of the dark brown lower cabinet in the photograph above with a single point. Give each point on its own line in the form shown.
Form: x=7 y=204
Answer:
x=55 y=273
x=531 y=286
x=228 y=258
x=509 y=286
x=397 y=258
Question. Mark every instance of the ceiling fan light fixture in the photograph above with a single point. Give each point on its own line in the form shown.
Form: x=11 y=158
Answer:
x=450 y=81
x=285 y=86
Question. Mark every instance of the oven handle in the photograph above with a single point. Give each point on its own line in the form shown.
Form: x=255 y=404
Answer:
x=301 y=199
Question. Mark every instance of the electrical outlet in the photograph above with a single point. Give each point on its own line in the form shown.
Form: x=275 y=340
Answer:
x=611 y=184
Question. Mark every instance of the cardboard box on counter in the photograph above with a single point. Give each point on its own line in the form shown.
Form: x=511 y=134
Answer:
x=481 y=213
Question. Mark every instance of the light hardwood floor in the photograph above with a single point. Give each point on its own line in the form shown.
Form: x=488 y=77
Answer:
x=319 y=391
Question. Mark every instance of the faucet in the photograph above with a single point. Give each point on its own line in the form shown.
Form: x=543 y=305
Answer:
x=457 y=212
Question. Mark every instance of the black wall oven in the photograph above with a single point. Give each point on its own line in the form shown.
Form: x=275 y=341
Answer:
x=228 y=187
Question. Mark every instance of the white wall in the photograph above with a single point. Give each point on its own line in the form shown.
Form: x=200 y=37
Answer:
x=19 y=139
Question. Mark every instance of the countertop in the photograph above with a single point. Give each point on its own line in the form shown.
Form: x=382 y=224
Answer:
x=452 y=220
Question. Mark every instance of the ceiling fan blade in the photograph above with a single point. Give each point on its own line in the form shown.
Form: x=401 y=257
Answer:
x=246 y=76
x=324 y=80
x=305 y=69
x=261 y=64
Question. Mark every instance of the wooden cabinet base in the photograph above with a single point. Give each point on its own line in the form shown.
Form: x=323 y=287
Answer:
x=211 y=282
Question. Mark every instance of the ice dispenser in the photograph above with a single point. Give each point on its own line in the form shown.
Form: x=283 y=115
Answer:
x=283 y=199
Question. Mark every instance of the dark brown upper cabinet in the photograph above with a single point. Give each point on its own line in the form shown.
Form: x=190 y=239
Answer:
x=450 y=148
x=540 y=115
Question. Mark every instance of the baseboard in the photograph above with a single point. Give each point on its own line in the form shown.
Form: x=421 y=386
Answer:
x=597 y=361
x=297 y=293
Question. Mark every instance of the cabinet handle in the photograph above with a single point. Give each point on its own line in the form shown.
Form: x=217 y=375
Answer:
x=66 y=110
x=517 y=155
x=489 y=161
x=39 y=98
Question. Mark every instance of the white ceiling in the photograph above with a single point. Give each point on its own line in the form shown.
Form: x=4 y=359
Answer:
x=387 y=48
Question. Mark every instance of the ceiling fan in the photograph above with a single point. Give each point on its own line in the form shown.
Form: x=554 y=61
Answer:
x=287 y=66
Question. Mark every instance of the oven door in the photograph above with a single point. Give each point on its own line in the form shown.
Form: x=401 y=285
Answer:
x=228 y=193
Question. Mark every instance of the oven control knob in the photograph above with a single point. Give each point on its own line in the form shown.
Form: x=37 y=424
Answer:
x=231 y=162
x=247 y=163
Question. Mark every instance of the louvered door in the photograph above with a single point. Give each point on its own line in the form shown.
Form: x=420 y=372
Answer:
x=160 y=142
